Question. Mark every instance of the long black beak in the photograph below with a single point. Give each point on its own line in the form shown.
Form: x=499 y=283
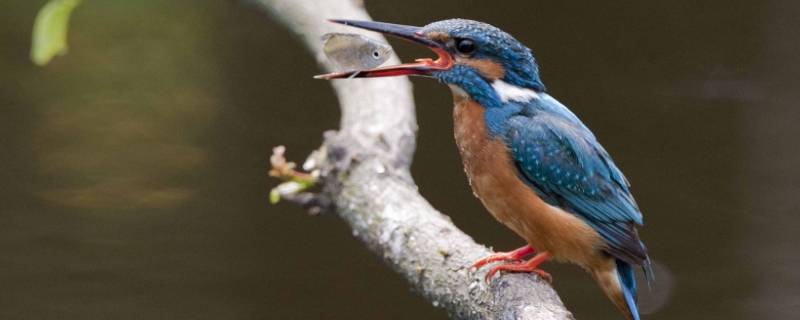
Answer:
x=411 y=33
x=398 y=30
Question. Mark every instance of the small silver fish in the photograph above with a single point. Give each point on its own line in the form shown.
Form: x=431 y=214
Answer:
x=354 y=52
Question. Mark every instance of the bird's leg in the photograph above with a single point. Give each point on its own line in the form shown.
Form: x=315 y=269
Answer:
x=515 y=255
x=531 y=265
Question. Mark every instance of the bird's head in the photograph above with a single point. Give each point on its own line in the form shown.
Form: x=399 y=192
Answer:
x=472 y=56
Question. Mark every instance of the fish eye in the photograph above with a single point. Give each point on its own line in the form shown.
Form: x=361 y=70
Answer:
x=465 y=46
x=376 y=54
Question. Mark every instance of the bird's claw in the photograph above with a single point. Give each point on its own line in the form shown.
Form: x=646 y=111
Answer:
x=503 y=256
x=516 y=267
x=531 y=265
x=515 y=256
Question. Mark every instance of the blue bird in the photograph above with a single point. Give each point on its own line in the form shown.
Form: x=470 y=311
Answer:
x=533 y=164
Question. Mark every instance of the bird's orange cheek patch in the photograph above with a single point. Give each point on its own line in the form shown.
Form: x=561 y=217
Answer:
x=487 y=68
x=441 y=37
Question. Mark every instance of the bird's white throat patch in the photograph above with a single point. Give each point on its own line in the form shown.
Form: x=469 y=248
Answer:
x=509 y=92
x=458 y=91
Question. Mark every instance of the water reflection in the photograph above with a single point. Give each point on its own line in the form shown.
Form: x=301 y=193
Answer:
x=121 y=154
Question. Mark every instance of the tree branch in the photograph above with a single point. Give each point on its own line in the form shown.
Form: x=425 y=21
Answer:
x=364 y=173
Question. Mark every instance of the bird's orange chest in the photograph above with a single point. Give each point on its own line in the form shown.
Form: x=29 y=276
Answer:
x=495 y=181
x=489 y=167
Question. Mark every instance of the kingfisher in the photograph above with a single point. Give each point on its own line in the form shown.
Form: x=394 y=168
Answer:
x=532 y=163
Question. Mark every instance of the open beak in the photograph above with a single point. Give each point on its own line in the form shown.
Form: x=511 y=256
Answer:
x=422 y=67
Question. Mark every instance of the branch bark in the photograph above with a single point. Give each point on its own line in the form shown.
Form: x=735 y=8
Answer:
x=365 y=177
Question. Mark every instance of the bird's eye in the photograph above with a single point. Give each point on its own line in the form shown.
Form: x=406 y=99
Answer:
x=465 y=46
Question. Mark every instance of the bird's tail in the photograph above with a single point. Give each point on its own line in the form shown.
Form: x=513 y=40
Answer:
x=628 y=284
x=619 y=284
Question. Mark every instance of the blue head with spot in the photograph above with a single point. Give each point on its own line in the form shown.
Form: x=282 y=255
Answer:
x=472 y=56
x=483 y=52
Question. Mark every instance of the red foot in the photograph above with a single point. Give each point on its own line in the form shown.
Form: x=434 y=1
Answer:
x=515 y=255
x=531 y=265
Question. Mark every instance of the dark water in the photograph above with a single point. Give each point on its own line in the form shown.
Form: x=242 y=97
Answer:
x=134 y=169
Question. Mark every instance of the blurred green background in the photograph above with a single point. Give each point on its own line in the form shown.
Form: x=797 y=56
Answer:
x=133 y=181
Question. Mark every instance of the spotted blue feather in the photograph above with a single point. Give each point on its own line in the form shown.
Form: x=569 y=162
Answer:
x=563 y=162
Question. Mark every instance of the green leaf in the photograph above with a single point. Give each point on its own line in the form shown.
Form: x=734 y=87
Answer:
x=288 y=188
x=50 y=30
x=274 y=196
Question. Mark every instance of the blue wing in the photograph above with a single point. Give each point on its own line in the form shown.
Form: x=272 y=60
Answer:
x=563 y=162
